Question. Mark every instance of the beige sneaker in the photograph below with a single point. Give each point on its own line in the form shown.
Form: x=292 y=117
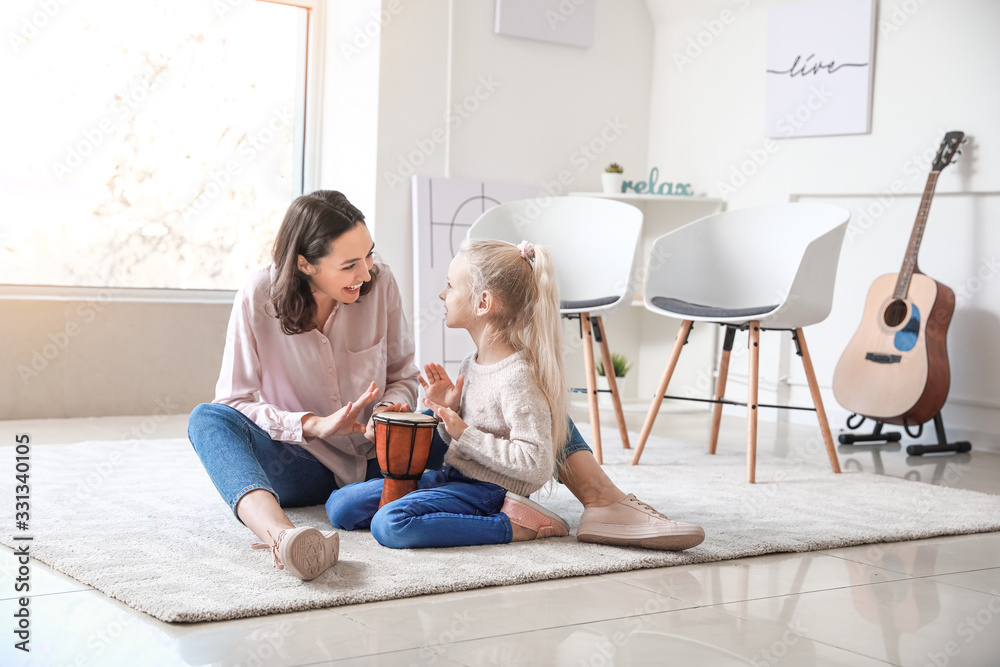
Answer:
x=304 y=552
x=632 y=523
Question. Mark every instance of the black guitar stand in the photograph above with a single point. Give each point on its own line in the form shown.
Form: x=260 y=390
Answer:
x=877 y=436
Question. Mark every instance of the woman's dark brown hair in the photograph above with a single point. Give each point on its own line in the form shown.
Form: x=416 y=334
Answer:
x=313 y=222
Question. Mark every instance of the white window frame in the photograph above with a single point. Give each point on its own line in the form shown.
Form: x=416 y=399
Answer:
x=306 y=176
x=308 y=93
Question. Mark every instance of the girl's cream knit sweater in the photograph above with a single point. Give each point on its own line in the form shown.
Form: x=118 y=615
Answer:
x=509 y=438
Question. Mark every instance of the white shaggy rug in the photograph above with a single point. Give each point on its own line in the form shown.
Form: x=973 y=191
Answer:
x=142 y=522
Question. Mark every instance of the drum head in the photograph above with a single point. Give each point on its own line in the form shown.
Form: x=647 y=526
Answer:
x=413 y=418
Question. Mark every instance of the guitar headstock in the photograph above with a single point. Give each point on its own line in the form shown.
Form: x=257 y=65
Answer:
x=946 y=152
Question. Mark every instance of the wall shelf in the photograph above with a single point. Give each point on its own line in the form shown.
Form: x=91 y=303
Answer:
x=631 y=197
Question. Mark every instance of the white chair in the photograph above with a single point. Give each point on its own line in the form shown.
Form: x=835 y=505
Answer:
x=593 y=244
x=768 y=267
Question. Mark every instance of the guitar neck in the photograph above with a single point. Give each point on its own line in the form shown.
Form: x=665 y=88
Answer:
x=910 y=261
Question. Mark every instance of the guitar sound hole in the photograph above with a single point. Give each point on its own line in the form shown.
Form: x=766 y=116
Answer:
x=895 y=313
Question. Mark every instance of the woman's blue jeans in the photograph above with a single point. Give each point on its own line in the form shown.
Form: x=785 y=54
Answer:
x=448 y=509
x=240 y=457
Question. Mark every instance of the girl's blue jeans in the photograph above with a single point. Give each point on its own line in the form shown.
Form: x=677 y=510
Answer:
x=448 y=509
x=240 y=457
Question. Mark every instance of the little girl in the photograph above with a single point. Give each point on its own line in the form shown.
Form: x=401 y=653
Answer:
x=503 y=439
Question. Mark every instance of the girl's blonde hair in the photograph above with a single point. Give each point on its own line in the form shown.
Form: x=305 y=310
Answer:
x=525 y=315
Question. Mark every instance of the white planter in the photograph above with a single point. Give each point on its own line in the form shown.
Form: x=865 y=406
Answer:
x=612 y=183
x=604 y=397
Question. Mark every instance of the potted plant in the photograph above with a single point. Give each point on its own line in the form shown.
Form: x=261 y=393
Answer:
x=620 y=365
x=612 y=179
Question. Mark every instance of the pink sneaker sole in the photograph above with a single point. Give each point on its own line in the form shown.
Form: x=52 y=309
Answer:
x=305 y=552
x=528 y=514
x=681 y=540
x=310 y=553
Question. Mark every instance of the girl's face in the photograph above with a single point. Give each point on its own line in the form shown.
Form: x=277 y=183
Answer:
x=345 y=268
x=457 y=297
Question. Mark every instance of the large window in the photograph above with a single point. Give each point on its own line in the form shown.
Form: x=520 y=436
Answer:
x=149 y=143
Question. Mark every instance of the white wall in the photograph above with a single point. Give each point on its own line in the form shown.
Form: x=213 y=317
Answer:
x=935 y=70
x=97 y=353
x=534 y=105
x=458 y=100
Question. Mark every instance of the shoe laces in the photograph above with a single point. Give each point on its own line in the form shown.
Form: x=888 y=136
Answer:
x=273 y=547
x=651 y=509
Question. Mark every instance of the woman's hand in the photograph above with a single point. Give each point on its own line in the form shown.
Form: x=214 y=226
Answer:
x=452 y=422
x=342 y=422
x=370 y=426
x=439 y=389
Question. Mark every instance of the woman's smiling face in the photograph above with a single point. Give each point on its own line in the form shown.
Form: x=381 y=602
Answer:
x=345 y=268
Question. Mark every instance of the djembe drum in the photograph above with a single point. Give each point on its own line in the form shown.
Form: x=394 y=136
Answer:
x=402 y=445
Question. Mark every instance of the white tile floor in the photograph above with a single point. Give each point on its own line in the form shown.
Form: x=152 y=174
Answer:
x=929 y=602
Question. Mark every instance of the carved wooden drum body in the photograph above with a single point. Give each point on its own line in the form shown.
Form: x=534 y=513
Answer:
x=402 y=445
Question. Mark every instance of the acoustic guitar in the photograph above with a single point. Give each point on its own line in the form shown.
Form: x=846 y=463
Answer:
x=895 y=369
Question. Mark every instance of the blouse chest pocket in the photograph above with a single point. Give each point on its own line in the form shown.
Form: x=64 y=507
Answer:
x=367 y=366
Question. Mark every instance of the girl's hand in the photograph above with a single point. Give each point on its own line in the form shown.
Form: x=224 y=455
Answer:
x=438 y=386
x=342 y=422
x=452 y=422
x=370 y=426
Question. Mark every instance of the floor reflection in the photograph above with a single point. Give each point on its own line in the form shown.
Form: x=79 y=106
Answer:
x=898 y=608
x=937 y=469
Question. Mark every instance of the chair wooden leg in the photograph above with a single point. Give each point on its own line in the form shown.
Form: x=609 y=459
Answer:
x=654 y=407
x=752 y=401
x=720 y=387
x=824 y=426
x=616 y=399
x=591 y=373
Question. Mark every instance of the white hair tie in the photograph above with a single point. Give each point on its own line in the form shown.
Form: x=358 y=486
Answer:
x=527 y=250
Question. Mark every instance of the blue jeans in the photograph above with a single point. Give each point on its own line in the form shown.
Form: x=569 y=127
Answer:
x=448 y=509
x=240 y=457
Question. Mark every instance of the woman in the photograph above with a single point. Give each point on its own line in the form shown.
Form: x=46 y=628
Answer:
x=313 y=340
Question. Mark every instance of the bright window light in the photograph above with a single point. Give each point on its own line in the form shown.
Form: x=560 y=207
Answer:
x=155 y=141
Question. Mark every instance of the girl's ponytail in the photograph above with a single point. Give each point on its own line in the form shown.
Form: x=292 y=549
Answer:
x=527 y=318
x=543 y=345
